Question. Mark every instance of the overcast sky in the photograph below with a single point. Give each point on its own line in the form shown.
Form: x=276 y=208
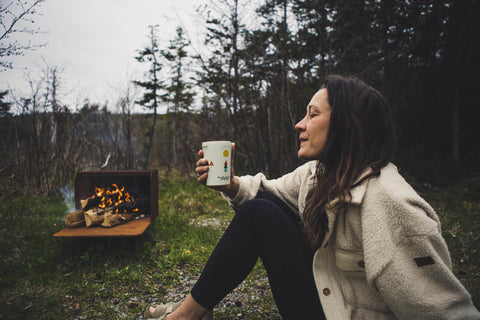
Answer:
x=94 y=42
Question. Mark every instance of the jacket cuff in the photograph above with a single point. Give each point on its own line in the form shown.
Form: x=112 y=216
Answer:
x=241 y=196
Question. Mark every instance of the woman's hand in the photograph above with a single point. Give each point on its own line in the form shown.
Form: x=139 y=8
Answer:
x=202 y=172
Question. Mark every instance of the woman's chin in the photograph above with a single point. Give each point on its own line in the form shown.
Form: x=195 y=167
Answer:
x=307 y=156
x=302 y=155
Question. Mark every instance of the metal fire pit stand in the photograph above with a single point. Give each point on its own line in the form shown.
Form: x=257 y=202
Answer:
x=145 y=181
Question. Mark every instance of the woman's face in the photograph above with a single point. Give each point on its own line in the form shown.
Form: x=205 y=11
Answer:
x=313 y=128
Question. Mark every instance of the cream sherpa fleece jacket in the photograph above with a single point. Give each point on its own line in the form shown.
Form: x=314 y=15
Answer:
x=384 y=256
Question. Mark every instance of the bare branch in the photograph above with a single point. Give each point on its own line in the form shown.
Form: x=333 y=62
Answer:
x=10 y=16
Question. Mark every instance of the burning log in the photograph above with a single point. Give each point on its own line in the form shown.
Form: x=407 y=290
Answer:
x=108 y=207
x=106 y=197
x=91 y=202
x=126 y=207
x=111 y=216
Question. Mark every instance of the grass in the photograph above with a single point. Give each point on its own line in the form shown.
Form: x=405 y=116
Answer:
x=47 y=278
x=458 y=207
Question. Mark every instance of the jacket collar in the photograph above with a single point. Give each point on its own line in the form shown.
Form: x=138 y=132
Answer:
x=357 y=192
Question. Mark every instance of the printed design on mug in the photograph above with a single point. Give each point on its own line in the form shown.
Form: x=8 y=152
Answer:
x=218 y=154
x=225 y=165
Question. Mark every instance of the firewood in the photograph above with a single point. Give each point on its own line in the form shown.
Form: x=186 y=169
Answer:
x=110 y=216
x=95 y=201
x=95 y=216
x=76 y=224
x=126 y=207
x=112 y=220
x=90 y=202
x=75 y=219
x=92 y=219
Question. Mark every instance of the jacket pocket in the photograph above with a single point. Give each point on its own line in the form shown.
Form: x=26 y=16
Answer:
x=349 y=261
x=353 y=282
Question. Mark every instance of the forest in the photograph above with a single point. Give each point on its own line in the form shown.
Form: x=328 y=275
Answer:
x=252 y=84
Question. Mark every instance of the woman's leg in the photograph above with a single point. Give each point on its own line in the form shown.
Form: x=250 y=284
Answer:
x=263 y=228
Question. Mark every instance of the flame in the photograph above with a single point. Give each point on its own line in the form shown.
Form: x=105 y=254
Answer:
x=111 y=196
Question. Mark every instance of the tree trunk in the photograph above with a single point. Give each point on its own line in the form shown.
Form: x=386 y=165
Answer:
x=456 y=125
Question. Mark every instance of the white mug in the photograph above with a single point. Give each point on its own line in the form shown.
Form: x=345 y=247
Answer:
x=219 y=156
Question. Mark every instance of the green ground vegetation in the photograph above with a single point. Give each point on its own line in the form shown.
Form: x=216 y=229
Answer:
x=43 y=277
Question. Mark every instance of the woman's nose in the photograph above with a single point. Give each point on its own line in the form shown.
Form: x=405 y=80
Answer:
x=300 y=126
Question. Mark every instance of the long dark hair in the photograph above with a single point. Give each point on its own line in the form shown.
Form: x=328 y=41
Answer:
x=360 y=136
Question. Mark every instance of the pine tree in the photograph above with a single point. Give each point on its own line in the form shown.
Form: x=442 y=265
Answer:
x=153 y=85
x=4 y=106
x=179 y=90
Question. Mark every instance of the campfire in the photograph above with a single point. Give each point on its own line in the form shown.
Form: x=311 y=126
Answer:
x=112 y=203
x=108 y=207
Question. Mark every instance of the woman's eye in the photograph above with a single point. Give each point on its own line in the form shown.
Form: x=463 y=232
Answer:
x=311 y=115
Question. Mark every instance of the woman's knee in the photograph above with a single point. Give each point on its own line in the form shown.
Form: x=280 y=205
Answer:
x=257 y=206
x=265 y=208
x=266 y=204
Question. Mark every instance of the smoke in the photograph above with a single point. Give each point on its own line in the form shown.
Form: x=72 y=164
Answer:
x=68 y=197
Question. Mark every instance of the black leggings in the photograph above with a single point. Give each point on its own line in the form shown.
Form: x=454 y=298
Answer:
x=263 y=227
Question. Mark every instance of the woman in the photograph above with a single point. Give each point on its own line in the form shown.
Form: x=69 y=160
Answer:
x=341 y=237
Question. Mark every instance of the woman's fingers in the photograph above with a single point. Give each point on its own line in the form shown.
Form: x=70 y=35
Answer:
x=202 y=175
x=202 y=179
x=202 y=163
x=202 y=168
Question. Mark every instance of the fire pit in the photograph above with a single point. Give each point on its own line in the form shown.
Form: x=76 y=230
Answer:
x=141 y=185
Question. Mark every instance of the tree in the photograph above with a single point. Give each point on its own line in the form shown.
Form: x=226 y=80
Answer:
x=179 y=91
x=153 y=86
x=6 y=131
x=4 y=106
x=279 y=63
x=461 y=66
x=12 y=13
x=122 y=131
x=223 y=73
x=46 y=146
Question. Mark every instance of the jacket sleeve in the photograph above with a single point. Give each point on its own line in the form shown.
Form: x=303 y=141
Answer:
x=407 y=259
x=418 y=282
x=287 y=187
